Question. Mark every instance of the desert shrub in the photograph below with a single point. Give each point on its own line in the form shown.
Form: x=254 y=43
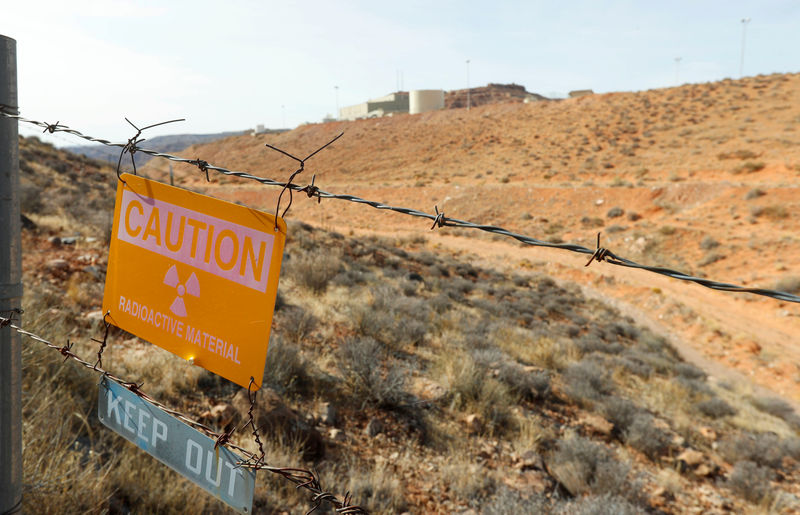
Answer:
x=286 y=370
x=774 y=406
x=583 y=467
x=30 y=198
x=708 y=243
x=509 y=501
x=750 y=167
x=644 y=436
x=361 y=363
x=737 y=154
x=689 y=371
x=750 y=481
x=472 y=388
x=599 y=505
x=788 y=284
x=695 y=386
x=633 y=217
x=776 y=212
x=716 y=408
x=589 y=343
x=377 y=490
x=587 y=380
x=611 y=229
x=620 y=412
x=531 y=385
x=634 y=366
x=297 y=324
x=754 y=193
x=315 y=269
x=592 y=222
x=765 y=449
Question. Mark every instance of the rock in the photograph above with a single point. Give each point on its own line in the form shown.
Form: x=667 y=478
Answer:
x=272 y=416
x=26 y=223
x=530 y=460
x=597 y=424
x=704 y=470
x=474 y=423
x=222 y=414
x=57 y=265
x=55 y=241
x=94 y=316
x=337 y=435
x=93 y=271
x=691 y=457
x=69 y=240
x=708 y=433
x=327 y=414
x=374 y=427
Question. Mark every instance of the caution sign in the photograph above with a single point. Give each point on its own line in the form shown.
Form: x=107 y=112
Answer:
x=194 y=275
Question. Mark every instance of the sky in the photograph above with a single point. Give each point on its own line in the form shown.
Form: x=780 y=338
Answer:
x=232 y=65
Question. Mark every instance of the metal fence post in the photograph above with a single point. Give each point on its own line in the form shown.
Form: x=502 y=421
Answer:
x=10 y=289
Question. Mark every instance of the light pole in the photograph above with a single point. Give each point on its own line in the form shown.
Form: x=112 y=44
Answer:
x=745 y=21
x=468 y=99
x=336 y=89
x=677 y=67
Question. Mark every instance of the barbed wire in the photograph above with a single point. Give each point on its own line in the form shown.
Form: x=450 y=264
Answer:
x=439 y=219
x=302 y=478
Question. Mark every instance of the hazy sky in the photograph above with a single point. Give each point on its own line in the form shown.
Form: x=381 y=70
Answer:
x=231 y=65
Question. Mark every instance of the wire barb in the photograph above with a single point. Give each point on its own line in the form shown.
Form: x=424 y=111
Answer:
x=203 y=166
x=600 y=253
x=440 y=220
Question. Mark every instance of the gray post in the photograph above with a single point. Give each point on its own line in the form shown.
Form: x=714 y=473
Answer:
x=10 y=289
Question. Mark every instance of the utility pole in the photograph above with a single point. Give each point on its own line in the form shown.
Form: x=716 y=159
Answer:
x=10 y=288
x=336 y=89
x=745 y=21
x=677 y=68
x=468 y=99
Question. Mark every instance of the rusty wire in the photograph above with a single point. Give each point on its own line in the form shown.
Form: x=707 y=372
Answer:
x=438 y=219
x=302 y=478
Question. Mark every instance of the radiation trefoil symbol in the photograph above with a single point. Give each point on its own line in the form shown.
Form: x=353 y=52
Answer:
x=191 y=286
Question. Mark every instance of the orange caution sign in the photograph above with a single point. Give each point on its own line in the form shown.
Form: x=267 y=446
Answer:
x=194 y=275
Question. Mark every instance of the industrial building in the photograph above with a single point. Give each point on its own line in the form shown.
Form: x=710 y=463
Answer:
x=383 y=106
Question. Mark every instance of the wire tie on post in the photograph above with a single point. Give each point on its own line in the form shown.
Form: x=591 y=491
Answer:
x=131 y=147
x=103 y=342
x=251 y=395
x=599 y=254
x=288 y=184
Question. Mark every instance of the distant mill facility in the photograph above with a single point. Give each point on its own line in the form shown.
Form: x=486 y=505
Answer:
x=424 y=100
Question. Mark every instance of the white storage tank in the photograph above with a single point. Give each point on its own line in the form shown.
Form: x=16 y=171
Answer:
x=422 y=100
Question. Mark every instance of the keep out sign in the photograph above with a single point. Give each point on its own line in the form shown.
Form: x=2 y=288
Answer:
x=194 y=275
x=177 y=445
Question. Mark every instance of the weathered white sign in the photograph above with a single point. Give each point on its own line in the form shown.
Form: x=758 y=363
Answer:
x=177 y=445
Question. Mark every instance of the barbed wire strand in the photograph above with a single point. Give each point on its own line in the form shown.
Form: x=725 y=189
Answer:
x=302 y=478
x=439 y=219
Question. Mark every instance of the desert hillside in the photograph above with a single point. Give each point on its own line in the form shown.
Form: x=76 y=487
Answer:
x=701 y=178
x=453 y=371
